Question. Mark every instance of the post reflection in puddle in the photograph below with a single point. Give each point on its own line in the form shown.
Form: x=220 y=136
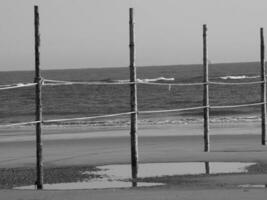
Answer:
x=119 y=176
x=207 y=167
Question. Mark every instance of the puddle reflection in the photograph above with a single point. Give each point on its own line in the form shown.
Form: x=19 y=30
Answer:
x=169 y=169
x=207 y=167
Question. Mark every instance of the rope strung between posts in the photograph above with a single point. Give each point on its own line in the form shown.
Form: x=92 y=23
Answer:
x=238 y=106
x=7 y=87
x=173 y=110
x=128 y=113
x=64 y=120
x=58 y=82
x=86 y=118
x=172 y=84
x=19 y=124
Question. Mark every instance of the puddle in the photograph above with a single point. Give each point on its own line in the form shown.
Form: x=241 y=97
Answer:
x=253 y=186
x=169 y=169
x=117 y=176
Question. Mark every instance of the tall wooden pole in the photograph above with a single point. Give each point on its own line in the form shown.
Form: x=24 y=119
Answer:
x=38 y=102
x=263 y=90
x=133 y=88
x=206 y=91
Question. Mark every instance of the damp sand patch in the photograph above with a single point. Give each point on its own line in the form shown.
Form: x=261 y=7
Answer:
x=16 y=177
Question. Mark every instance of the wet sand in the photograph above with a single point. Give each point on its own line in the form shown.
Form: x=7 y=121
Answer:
x=80 y=146
x=180 y=143
x=172 y=193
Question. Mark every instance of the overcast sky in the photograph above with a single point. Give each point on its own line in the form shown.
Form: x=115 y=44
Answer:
x=94 y=33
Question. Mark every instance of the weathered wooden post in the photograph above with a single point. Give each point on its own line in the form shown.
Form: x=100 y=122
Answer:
x=38 y=102
x=133 y=88
x=206 y=91
x=263 y=90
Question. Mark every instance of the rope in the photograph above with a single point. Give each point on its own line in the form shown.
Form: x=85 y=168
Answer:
x=6 y=87
x=19 y=124
x=57 y=82
x=174 y=110
x=86 y=118
x=172 y=84
x=50 y=82
x=63 y=120
x=238 y=106
x=128 y=113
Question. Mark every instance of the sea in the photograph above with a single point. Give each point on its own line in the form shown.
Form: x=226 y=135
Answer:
x=74 y=101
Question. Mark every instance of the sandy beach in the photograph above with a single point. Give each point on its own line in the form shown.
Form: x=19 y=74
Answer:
x=76 y=146
x=81 y=145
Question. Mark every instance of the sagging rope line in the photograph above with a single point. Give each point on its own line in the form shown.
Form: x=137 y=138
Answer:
x=6 y=87
x=172 y=84
x=128 y=113
x=57 y=82
x=174 y=110
x=86 y=118
x=238 y=106
x=70 y=119
x=201 y=107
x=19 y=124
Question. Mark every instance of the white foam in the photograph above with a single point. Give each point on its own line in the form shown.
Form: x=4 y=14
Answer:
x=238 y=77
x=147 y=80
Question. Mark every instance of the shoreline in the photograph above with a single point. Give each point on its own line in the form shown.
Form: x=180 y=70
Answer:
x=68 y=132
x=145 y=120
x=113 y=147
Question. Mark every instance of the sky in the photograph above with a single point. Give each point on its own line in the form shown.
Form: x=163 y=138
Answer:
x=95 y=33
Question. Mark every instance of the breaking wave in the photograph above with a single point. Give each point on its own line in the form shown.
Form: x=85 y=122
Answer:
x=16 y=85
x=22 y=84
x=147 y=80
x=238 y=77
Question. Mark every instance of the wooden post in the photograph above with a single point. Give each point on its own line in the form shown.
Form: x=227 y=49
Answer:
x=133 y=88
x=263 y=90
x=206 y=91
x=38 y=102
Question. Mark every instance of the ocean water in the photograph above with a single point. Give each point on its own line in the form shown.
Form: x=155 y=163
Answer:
x=68 y=101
